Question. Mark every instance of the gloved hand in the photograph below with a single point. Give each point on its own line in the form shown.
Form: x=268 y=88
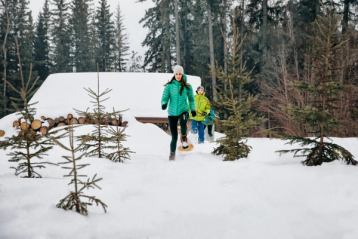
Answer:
x=203 y=114
x=164 y=106
x=193 y=113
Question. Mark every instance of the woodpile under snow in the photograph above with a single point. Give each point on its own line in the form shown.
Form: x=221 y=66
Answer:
x=44 y=124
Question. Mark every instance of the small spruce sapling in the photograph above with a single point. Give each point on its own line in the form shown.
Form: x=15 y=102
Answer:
x=94 y=143
x=28 y=144
x=77 y=200
x=116 y=138
x=237 y=103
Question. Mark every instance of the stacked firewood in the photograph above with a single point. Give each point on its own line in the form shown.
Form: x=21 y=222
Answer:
x=44 y=124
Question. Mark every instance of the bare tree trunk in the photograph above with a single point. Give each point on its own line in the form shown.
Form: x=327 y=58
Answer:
x=164 y=9
x=212 y=57
x=242 y=15
x=264 y=28
x=4 y=50
x=224 y=34
x=177 y=32
x=293 y=44
x=345 y=16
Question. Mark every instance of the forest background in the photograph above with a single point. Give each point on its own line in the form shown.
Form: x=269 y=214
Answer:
x=293 y=52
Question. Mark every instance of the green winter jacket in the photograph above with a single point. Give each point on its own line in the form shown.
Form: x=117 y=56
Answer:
x=202 y=107
x=178 y=103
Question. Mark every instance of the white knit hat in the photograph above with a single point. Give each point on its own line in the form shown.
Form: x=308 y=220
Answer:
x=178 y=69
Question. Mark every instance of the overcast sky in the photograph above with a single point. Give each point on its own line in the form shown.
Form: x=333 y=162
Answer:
x=132 y=12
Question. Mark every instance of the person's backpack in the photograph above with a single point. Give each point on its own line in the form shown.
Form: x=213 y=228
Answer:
x=209 y=119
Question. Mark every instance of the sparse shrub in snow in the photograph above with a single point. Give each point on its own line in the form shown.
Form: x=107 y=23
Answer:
x=103 y=136
x=115 y=145
x=77 y=200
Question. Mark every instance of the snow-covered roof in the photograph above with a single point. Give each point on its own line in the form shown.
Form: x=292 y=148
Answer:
x=141 y=93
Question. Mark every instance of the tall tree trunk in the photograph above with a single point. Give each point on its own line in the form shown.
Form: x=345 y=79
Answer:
x=224 y=34
x=264 y=28
x=4 y=50
x=345 y=16
x=177 y=32
x=212 y=57
x=165 y=19
x=242 y=17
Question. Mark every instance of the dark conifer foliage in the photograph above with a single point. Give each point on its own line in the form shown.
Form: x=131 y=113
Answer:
x=80 y=37
x=60 y=31
x=41 y=49
x=106 y=36
x=121 y=46
x=237 y=104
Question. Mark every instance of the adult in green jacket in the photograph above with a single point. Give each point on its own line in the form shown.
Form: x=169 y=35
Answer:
x=179 y=95
x=202 y=108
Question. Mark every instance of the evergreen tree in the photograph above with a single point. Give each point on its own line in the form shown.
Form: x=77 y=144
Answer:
x=95 y=44
x=42 y=63
x=321 y=92
x=121 y=43
x=237 y=103
x=200 y=41
x=105 y=31
x=160 y=39
x=116 y=138
x=5 y=29
x=41 y=49
x=75 y=199
x=93 y=143
x=186 y=35
x=80 y=37
x=61 y=37
x=28 y=144
x=135 y=62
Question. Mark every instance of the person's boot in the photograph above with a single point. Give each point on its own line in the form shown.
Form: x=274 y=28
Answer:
x=184 y=142
x=172 y=156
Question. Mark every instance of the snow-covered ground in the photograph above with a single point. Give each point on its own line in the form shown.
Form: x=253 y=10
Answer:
x=196 y=196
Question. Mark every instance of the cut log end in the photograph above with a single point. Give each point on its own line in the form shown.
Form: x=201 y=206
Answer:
x=43 y=130
x=36 y=124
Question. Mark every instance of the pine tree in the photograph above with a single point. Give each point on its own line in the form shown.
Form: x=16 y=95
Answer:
x=41 y=50
x=105 y=31
x=135 y=62
x=121 y=43
x=28 y=144
x=200 y=47
x=80 y=36
x=75 y=199
x=160 y=39
x=93 y=143
x=42 y=62
x=5 y=28
x=322 y=91
x=115 y=142
x=237 y=104
x=61 y=37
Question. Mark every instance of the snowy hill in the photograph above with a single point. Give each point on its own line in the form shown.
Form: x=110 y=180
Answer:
x=196 y=196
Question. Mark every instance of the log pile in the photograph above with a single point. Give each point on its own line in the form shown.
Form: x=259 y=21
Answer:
x=44 y=124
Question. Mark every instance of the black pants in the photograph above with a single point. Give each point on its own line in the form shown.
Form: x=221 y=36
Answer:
x=210 y=129
x=173 y=125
